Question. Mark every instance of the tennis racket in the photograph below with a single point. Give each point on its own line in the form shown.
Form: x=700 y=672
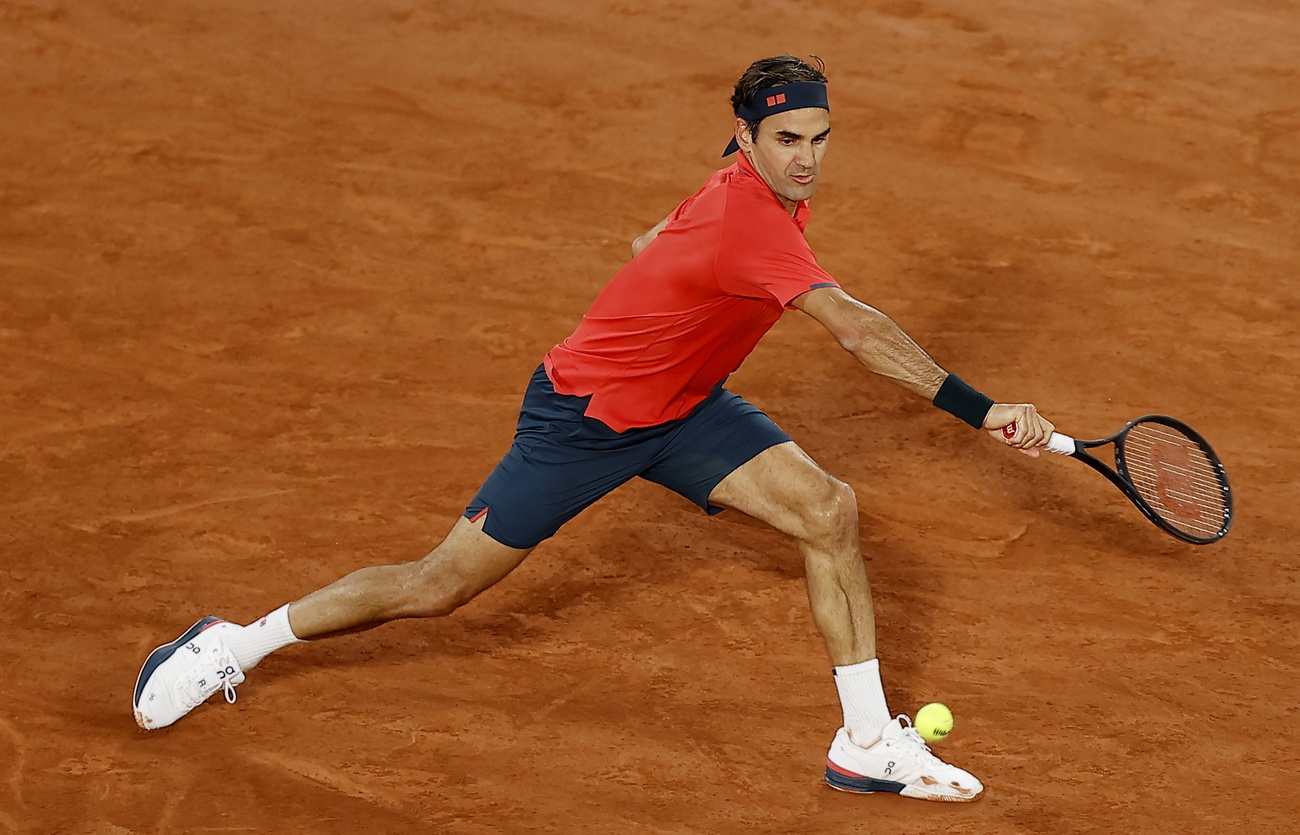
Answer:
x=1166 y=469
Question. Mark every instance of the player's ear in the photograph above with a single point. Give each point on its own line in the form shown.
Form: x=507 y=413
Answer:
x=743 y=138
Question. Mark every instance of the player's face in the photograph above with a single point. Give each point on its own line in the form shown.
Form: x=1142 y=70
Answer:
x=788 y=151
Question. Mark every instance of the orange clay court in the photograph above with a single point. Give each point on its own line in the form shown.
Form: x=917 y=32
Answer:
x=272 y=280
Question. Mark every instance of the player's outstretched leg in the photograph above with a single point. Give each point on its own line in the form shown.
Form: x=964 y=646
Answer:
x=900 y=762
x=214 y=655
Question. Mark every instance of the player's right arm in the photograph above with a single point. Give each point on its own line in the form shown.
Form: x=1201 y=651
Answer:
x=877 y=342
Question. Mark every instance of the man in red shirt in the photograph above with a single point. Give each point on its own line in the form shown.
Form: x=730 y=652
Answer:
x=637 y=391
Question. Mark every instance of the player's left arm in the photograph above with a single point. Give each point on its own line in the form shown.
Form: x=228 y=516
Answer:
x=884 y=348
x=643 y=241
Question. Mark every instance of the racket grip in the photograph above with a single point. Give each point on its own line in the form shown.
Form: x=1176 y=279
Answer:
x=1058 y=443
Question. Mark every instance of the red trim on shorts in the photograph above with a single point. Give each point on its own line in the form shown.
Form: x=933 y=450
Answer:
x=479 y=515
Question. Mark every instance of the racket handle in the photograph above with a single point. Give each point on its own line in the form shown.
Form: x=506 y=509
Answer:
x=1058 y=443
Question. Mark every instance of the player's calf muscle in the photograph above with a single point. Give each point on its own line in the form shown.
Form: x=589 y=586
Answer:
x=374 y=595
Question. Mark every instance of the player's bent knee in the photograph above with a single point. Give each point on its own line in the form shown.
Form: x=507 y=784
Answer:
x=436 y=601
x=831 y=516
x=434 y=592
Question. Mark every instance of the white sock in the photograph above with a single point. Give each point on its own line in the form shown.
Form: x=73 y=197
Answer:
x=863 y=698
x=252 y=643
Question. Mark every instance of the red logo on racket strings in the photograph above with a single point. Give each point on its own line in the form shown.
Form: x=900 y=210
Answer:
x=773 y=101
x=1174 y=484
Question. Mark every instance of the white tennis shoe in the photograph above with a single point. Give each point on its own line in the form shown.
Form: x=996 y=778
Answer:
x=179 y=676
x=900 y=762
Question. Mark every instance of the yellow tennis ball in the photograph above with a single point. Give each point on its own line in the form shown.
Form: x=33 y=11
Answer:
x=933 y=722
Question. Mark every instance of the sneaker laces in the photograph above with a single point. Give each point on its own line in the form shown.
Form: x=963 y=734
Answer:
x=205 y=679
x=913 y=737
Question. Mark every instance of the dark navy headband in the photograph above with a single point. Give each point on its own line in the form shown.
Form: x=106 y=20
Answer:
x=775 y=100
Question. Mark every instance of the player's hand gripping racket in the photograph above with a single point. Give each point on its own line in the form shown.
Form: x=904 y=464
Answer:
x=1166 y=469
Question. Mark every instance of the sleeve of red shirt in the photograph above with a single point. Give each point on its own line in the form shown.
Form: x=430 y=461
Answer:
x=765 y=255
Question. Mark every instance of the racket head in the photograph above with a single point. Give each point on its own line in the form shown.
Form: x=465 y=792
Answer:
x=1177 y=477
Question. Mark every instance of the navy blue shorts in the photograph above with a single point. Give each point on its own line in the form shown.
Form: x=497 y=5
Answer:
x=562 y=461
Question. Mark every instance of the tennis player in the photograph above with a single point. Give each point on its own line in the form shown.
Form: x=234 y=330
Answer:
x=638 y=391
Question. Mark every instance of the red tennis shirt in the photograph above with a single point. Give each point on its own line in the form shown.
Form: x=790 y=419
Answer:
x=686 y=311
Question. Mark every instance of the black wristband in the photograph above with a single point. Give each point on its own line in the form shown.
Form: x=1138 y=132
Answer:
x=957 y=398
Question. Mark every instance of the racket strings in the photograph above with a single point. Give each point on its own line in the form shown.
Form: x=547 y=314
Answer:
x=1176 y=477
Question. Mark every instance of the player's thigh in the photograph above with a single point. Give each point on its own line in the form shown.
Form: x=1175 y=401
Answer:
x=784 y=487
x=468 y=560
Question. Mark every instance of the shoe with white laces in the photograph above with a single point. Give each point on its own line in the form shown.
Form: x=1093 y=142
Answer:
x=900 y=762
x=179 y=676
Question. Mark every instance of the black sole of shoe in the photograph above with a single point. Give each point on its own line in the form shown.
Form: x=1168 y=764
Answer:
x=860 y=785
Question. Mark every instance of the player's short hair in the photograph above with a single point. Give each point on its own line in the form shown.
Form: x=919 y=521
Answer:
x=773 y=72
